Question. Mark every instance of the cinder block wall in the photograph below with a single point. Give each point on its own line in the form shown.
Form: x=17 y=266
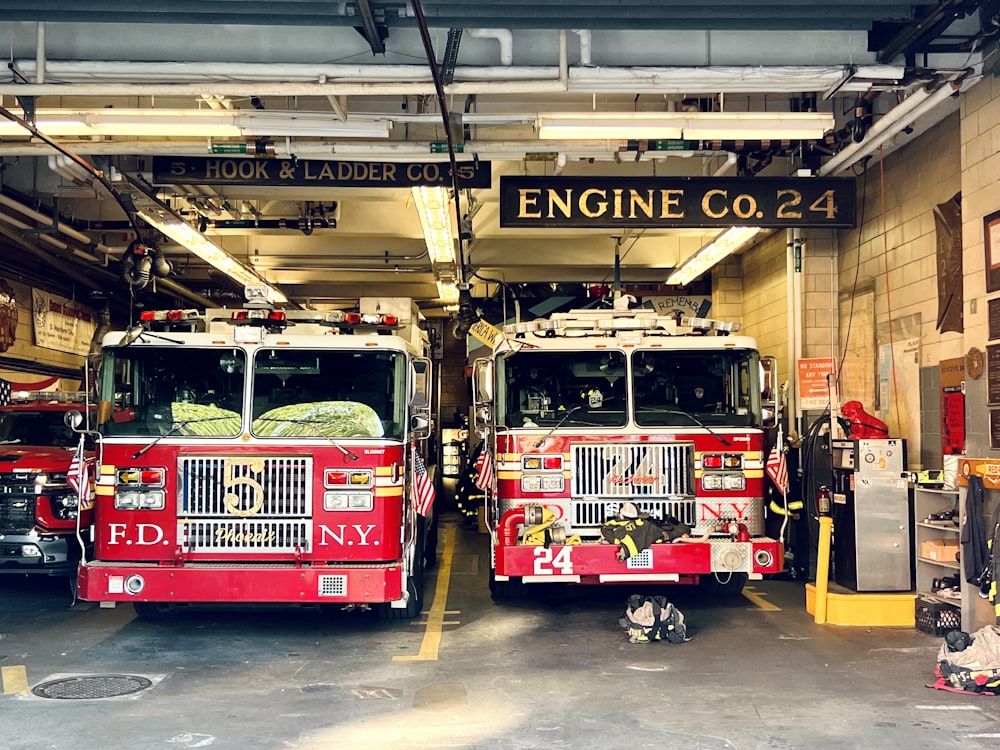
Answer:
x=980 y=160
x=894 y=251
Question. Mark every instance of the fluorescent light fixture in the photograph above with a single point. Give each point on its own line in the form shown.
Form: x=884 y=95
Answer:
x=433 y=204
x=447 y=291
x=706 y=126
x=209 y=123
x=725 y=244
x=187 y=236
x=604 y=125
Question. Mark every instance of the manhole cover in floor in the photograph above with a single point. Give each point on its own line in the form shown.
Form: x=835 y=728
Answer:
x=94 y=686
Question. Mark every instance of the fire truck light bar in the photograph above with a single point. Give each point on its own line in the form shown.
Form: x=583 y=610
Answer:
x=355 y=319
x=168 y=315
x=710 y=325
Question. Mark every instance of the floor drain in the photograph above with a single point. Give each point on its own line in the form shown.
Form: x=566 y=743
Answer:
x=95 y=686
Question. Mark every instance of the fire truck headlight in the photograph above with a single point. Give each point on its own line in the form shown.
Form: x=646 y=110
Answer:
x=711 y=482
x=734 y=482
x=65 y=505
x=719 y=482
x=348 y=501
x=542 y=483
x=140 y=500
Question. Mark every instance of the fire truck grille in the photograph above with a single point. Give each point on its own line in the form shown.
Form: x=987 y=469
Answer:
x=596 y=512
x=633 y=471
x=246 y=536
x=17 y=503
x=251 y=487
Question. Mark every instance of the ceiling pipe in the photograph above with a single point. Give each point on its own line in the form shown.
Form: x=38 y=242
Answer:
x=892 y=122
x=46 y=257
x=388 y=151
x=504 y=36
x=233 y=80
x=64 y=228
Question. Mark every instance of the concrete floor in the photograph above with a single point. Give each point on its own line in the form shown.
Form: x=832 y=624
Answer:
x=552 y=671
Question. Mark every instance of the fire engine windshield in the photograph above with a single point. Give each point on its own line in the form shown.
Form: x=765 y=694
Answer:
x=545 y=388
x=607 y=388
x=35 y=428
x=710 y=387
x=328 y=393
x=168 y=390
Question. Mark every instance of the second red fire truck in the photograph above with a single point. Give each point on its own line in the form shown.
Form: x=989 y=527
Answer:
x=263 y=456
x=593 y=418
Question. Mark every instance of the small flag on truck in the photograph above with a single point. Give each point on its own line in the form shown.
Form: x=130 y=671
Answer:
x=484 y=469
x=423 y=488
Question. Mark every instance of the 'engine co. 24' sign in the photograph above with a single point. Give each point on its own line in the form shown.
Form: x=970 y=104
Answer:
x=671 y=202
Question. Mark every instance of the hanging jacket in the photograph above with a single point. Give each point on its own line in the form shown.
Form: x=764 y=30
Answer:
x=975 y=553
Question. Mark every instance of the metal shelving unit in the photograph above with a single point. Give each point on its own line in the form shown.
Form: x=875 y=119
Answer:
x=926 y=503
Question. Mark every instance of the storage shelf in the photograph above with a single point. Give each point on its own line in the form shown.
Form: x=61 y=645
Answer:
x=927 y=502
x=938 y=598
x=938 y=527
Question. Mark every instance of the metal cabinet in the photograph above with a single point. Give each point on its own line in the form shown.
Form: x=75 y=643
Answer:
x=872 y=516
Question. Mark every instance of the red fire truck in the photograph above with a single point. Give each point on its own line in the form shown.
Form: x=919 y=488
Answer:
x=263 y=456
x=42 y=529
x=590 y=413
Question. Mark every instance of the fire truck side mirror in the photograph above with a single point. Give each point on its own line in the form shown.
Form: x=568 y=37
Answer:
x=483 y=380
x=769 y=391
x=73 y=419
x=420 y=392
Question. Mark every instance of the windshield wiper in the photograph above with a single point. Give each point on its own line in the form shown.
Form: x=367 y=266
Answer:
x=557 y=425
x=694 y=419
x=318 y=434
x=178 y=426
x=137 y=332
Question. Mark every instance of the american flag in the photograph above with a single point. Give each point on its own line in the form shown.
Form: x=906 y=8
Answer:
x=78 y=476
x=423 y=487
x=777 y=466
x=5 y=392
x=484 y=469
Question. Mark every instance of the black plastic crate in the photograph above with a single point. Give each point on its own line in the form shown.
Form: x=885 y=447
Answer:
x=936 y=618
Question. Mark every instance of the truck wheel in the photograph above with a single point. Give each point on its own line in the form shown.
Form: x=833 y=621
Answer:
x=726 y=588
x=413 y=604
x=154 y=611
x=506 y=591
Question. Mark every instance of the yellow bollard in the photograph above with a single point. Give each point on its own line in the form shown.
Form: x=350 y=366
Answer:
x=823 y=567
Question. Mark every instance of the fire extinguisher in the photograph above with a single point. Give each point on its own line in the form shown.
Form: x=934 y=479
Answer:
x=823 y=500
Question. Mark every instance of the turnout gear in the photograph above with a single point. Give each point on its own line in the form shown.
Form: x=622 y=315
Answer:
x=653 y=618
x=634 y=533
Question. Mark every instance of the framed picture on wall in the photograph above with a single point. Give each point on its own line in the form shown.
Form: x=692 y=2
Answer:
x=991 y=238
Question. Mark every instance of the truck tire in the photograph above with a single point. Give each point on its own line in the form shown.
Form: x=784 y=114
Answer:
x=725 y=589
x=506 y=591
x=413 y=606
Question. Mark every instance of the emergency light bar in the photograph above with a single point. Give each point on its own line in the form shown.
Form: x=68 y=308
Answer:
x=606 y=322
x=168 y=315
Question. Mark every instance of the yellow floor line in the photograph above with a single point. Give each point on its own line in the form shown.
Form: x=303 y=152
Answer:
x=15 y=680
x=435 y=616
x=760 y=601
